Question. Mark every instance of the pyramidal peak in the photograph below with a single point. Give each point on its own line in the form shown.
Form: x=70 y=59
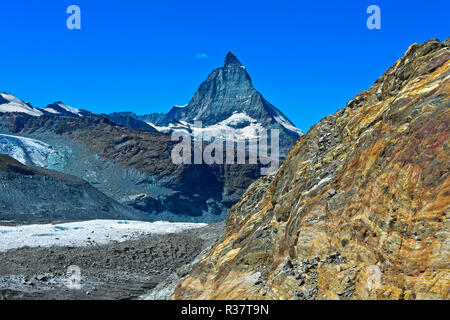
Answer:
x=232 y=60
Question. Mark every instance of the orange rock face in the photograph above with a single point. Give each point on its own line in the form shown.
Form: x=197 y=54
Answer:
x=358 y=210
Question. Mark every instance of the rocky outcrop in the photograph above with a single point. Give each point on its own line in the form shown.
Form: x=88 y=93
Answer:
x=358 y=210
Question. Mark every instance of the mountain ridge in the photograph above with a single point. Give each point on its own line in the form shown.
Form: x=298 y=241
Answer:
x=129 y=159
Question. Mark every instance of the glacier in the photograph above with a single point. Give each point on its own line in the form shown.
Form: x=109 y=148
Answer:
x=80 y=234
x=25 y=150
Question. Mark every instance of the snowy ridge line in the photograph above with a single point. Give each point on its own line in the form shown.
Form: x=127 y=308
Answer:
x=14 y=104
x=66 y=108
x=85 y=233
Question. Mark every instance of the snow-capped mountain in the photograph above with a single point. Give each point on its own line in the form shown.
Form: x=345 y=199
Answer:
x=12 y=104
x=9 y=103
x=228 y=104
x=239 y=126
x=60 y=109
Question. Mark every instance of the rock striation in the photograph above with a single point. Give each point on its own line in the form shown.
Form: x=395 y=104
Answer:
x=359 y=208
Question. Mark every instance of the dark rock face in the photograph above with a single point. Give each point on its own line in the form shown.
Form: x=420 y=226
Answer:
x=129 y=119
x=231 y=59
x=3 y=100
x=358 y=210
x=155 y=118
x=31 y=194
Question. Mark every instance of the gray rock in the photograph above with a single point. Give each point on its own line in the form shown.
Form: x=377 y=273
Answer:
x=447 y=42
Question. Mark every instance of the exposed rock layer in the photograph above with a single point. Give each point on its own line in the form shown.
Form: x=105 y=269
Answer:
x=358 y=210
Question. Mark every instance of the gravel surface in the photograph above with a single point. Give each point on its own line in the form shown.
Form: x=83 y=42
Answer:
x=124 y=270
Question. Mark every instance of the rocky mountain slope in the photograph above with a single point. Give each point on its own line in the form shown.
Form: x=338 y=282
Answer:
x=32 y=194
x=131 y=166
x=358 y=210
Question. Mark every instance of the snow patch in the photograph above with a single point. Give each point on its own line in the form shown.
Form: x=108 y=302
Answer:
x=52 y=111
x=16 y=105
x=239 y=126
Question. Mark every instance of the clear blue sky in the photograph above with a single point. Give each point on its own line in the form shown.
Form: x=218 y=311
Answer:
x=306 y=58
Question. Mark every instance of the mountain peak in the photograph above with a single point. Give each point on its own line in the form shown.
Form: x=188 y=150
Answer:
x=231 y=59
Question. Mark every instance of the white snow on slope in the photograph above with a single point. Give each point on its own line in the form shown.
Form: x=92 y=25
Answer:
x=179 y=126
x=16 y=105
x=25 y=150
x=80 y=234
x=67 y=108
x=286 y=124
x=239 y=126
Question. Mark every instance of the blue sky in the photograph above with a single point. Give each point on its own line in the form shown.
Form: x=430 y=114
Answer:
x=308 y=59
